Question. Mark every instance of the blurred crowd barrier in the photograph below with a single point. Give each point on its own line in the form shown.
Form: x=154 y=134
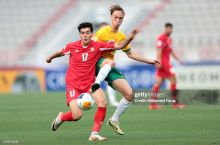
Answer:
x=193 y=76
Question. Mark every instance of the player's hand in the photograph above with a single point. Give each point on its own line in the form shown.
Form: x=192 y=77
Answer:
x=133 y=33
x=48 y=60
x=156 y=63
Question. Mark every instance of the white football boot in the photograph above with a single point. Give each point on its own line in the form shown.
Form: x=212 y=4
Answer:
x=57 y=122
x=115 y=126
x=96 y=137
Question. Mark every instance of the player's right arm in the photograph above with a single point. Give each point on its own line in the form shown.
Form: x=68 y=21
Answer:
x=159 y=46
x=159 y=55
x=54 y=55
x=175 y=56
x=59 y=53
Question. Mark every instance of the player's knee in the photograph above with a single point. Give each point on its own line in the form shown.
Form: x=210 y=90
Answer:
x=129 y=95
x=77 y=116
x=101 y=103
x=109 y=62
x=112 y=63
x=158 y=84
x=173 y=80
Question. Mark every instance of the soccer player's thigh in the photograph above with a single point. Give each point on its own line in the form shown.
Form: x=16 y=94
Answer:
x=99 y=97
x=124 y=88
x=158 y=81
x=72 y=102
x=108 y=61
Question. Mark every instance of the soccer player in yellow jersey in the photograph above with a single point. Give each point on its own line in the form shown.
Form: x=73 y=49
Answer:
x=105 y=66
x=111 y=93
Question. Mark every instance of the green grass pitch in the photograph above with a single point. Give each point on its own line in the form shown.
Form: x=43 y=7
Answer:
x=25 y=119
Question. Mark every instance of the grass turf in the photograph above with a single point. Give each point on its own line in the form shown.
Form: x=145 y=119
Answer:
x=25 y=119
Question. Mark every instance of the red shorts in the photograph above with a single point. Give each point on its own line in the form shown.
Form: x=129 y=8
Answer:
x=74 y=93
x=165 y=73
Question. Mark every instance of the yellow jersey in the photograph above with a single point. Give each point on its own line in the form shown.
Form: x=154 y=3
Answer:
x=106 y=34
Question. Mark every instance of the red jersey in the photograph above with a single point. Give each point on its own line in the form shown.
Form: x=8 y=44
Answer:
x=82 y=63
x=164 y=42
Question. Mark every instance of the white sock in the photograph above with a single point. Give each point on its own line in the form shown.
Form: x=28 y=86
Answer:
x=103 y=73
x=111 y=94
x=122 y=107
x=94 y=133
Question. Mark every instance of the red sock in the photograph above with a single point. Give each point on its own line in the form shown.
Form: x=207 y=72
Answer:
x=67 y=116
x=154 y=96
x=174 y=92
x=99 y=118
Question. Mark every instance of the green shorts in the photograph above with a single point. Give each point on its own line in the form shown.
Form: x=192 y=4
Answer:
x=114 y=74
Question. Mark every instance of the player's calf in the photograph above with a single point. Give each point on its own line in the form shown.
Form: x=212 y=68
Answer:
x=100 y=113
x=77 y=116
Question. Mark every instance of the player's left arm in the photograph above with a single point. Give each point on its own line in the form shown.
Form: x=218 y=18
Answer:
x=175 y=56
x=133 y=55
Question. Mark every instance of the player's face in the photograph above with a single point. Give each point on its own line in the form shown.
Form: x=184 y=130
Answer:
x=117 y=18
x=168 y=30
x=85 y=35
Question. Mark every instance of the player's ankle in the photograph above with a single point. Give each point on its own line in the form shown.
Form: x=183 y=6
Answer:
x=97 y=82
x=94 y=133
x=95 y=87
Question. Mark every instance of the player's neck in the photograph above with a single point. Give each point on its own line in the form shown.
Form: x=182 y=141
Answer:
x=167 y=34
x=114 y=29
x=85 y=44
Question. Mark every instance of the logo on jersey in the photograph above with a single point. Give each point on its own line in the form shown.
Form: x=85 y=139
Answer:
x=159 y=43
x=76 y=50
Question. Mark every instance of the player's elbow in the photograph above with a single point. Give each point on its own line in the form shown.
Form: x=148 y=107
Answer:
x=130 y=56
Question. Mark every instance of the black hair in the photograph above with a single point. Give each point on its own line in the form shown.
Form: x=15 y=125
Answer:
x=169 y=25
x=85 y=25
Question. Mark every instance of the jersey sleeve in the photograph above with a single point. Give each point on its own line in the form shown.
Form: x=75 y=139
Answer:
x=103 y=46
x=66 y=50
x=159 y=43
x=126 y=48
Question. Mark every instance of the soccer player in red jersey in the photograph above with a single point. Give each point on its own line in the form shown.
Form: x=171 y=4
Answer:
x=81 y=74
x=165 y=70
